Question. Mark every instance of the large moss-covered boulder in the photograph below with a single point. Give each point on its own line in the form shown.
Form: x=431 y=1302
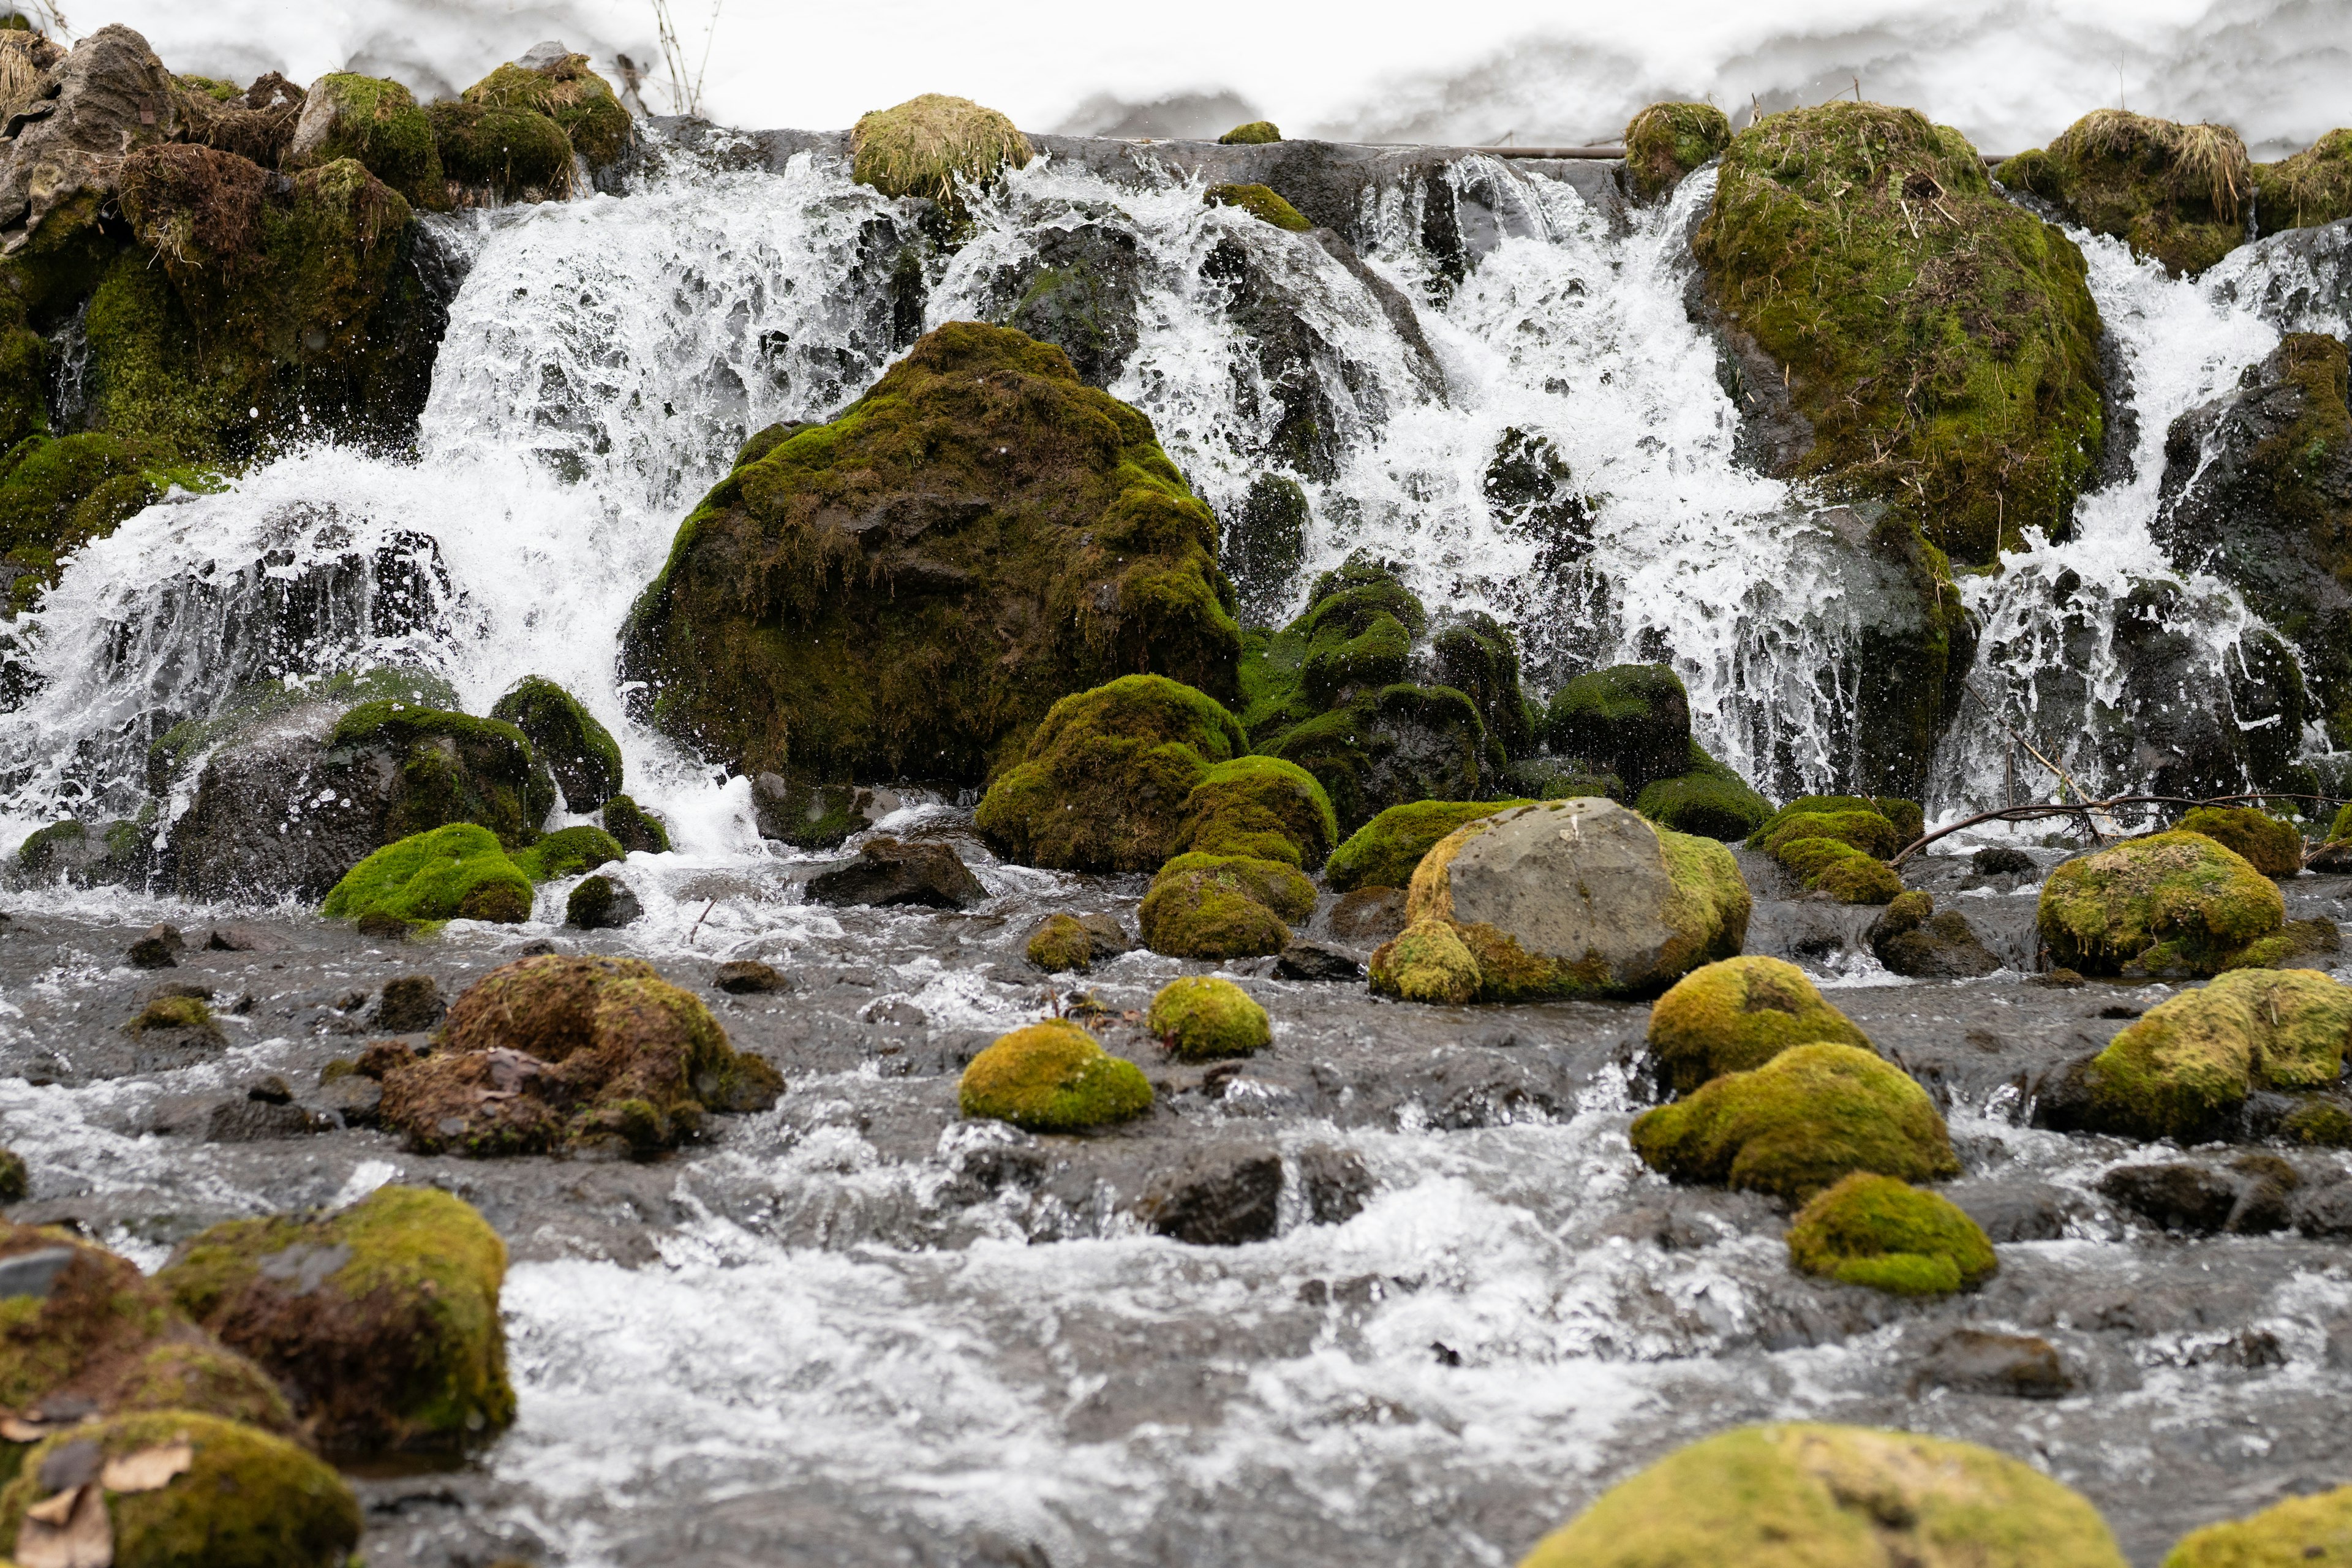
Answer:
x=1801 y=1495
x=2314 y=186
x=451 y=767
x=491 y=153
x=1216 y=907
x=578 y=750
x=1259 y=806
x=2184 y=1068
x=1938 y=344
x=1630 y=719
x=1053 y=1076
x=2314 y=1529
x=1667 y=141
x=459 y=872
x=1889 y=1235
x=1736 y=1014
x=929 y=146
x=1384 y=852
x=1106 y=778
x=384 y=1316
x=1798 y=1123
x=2177 y=194
x=1580 y=897
x=557 y=84
x=909 y=589
x=2271 y=846
x=378 y=122
x=2169 y=902
x=586 y=1054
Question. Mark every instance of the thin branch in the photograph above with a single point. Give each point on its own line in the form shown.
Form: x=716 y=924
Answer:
x=2083 y=809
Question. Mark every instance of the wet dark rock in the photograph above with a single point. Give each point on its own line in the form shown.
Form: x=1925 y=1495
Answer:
x=2249 y=1198
x=1262 y=547
x=747 y=977
x=1943 y=947
x=2001 y=860
x=1367 y=915
x=1078 y=289
x=1972 y=1361
x=2013 y=1211
x=160 y=948
x=383 y=927
x=1308 y=959
x=271 y=1090
x=1334 y=1182
x=410 y=1003
x=798 y=811
x=2326 y=1213
x=600 y=903
x=243 y=939
x=259 y=1121
x=352 y=1097
x=889 y=872
x=1223 y=1195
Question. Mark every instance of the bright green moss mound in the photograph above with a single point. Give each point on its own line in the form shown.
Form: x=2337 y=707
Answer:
x=1067 y=552
x=1060 y=945
x=1942 y=342
x=2315 y=187
x=2181 y=1067
x=2177 y=194
x=2171 y=898
x=1667 y=141
x=457 y=872
x=1850 y=876
x=1865 y=830
x=1217 y=906
x=1810 y=1496
x=580 y=752
x=379 y=124
x=514 y=154
x=582 y=104
x=452 y=768
x=633 y=829
x=1108 y=777
x=1262 y=807
x=247 y=1500
x=399 y=1347
x=568 y=853
x=1052 y=1077
x=1630 y=719
x=1262 y=203
x=57 y=494
x=927 y=145
x=1385 y=850
x=2271 y=846
x=1885 y=1234
x=1427 y=962
x=1738 y=1014
x=1257 y=134
x=1710 y=801
x=1798 y=1123
x=1202 y=1018
x=2289 y=1534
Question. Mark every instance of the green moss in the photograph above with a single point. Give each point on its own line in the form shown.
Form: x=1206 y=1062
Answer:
x=2315 y=187
x=1059 y=945
x=1942 y=342
x=567 y=852
x=1257 y=134
x=925 y=146
x=1427 y=962
x=247 y=1500
x=398 y=1346
x=2317 y=1528
x=2180 y=892
x=57 y=494
x=1222 y=906
x=16 y=1181
x=1855 y=879
x=1473 y=653
x=196 y=1374
x=1400 y=744
x=378 y=123
x=23 y=379
x=580 y=752
x=1630 y=719
x=1052 y=1077
x=2185 y=1065
x=1384 y=851
x=1710 y=801
x=1807 y=1496
x=2271 y=846
x=1738 y=1014
x=633 y=829
x=2177 y=194
x=453 y=767
x=42 y=845
x=1108 y=777
x=1261 y=203
x=1201 y=1018
x=1863 y=830
x=1888 y=1236
x=1908 y=817
x=1259 y=806
x=459 y=872
x=516 y=154
x=777 y=637
x=1667 y=141
x=582 y=103
x=175 y=1012
x=2318 y=1123
x=1798 y=1123
x=1812 y=805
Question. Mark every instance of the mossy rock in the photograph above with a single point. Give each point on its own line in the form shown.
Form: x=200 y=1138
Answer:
x=1941 y=343
x=178 y=1016
x=1847 y=876
x=1262 y=203
x=2182 y=1067
x=1426 y=962
x=578 y=750
x=618 y=1062
x=1106 y=778
x=1257 y=134
x=452 y=768
x=1865 y=830
x=16 y=1181
x=1798 y=1123
x=2271 y=846
x=568 y=852
x=2179 y=897
x=1261 y=549
x=514 y=155
x=1067 y=552
x=2177 y=194
x=459 y=872
x=1710 y=801
x=1259 y=806
x=2317 y=1528
x=927 y=145
x=1471 y=652
x=1801 y=1495
x=1630 y=719
x=1053 y=1076
x=1667 y=141
x=2315 y=187
x=59 y=493
x=633 y=829
x=380 y=124
x=1060 y=945
x=1886 y=1235
x=384 y=1316
x=1736 y=1014
x=582 y=103
x=247 y=1499
x=1216 y=907
x=1385 y=850
x=1403 y=743
x=170 y=758
x=1203 y=1018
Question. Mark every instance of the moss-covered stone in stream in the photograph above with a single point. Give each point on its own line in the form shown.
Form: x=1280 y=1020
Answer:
x=510 y=154
x=2316 y=1529
x=907 y=589
x=1257 y=134
x=635 y=829
x=2314 y=186
x=1889 y=1235
x=247 y=1499
x=568 y=852
x=170 y=757
x=925 y=146
x=1736 y=1014
x=1053 y=1076
x=379 y=124
x=1630 y=720
x=2177 y=194
x=457 y=872
x=382 y=1317
x=2171 y=900
x=1262 y=203
x=1426 y=962
x=452 y=768
x=1941 y=342
x=1216 y=907
x=1385 y=850
x=1259 y=806
x=582 y=103
x=1667 y=141
x=2182 y=1068
x=2271 y=846
x=1709 y=800
x=58 y=493
x=1801 y=1495
x=1202 y=1018
x=578 y=750
x=1060 y=945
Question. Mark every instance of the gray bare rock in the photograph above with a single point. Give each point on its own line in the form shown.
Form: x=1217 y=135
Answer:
x=1223 y=1195
x=259 y=1121
x=1308 y=959
x=1944 y=947
x=106 y=98
x=1972 y=1361
x=1367 y=915
x=276 y=812
x=889 y=872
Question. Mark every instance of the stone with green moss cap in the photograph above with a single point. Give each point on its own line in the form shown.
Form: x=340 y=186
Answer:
x=247 y=1499
x=459 y=872
x=1736 y=1014
x=1384 y=852
x=1630 y=719
x=1255 y=133
x=2177 y=194
x=506 y=154
x=1798 y=1123
x=568 y=852
x=59 y=493
x=2166 y=901
x=1060 y=943
x=1667 y=141
x=382 y=1317
x=1801 y=1495
x=1053 y=1076
x=2271 y=846
x=2313 y=187
x=378 y=122
x=2297 y=1531
x=557 y=84
x=1426 y=962
x=1261 y=202
x=635 y=829
x=1889 y=1235
x=1259 y=806
x=1217 y=906
x=1710 y=800
x=452 y=768
x=578 y=750
x=1202 y=1018
x=929 y=146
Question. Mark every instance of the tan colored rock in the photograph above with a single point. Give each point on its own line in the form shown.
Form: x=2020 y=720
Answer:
x=111 y=97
